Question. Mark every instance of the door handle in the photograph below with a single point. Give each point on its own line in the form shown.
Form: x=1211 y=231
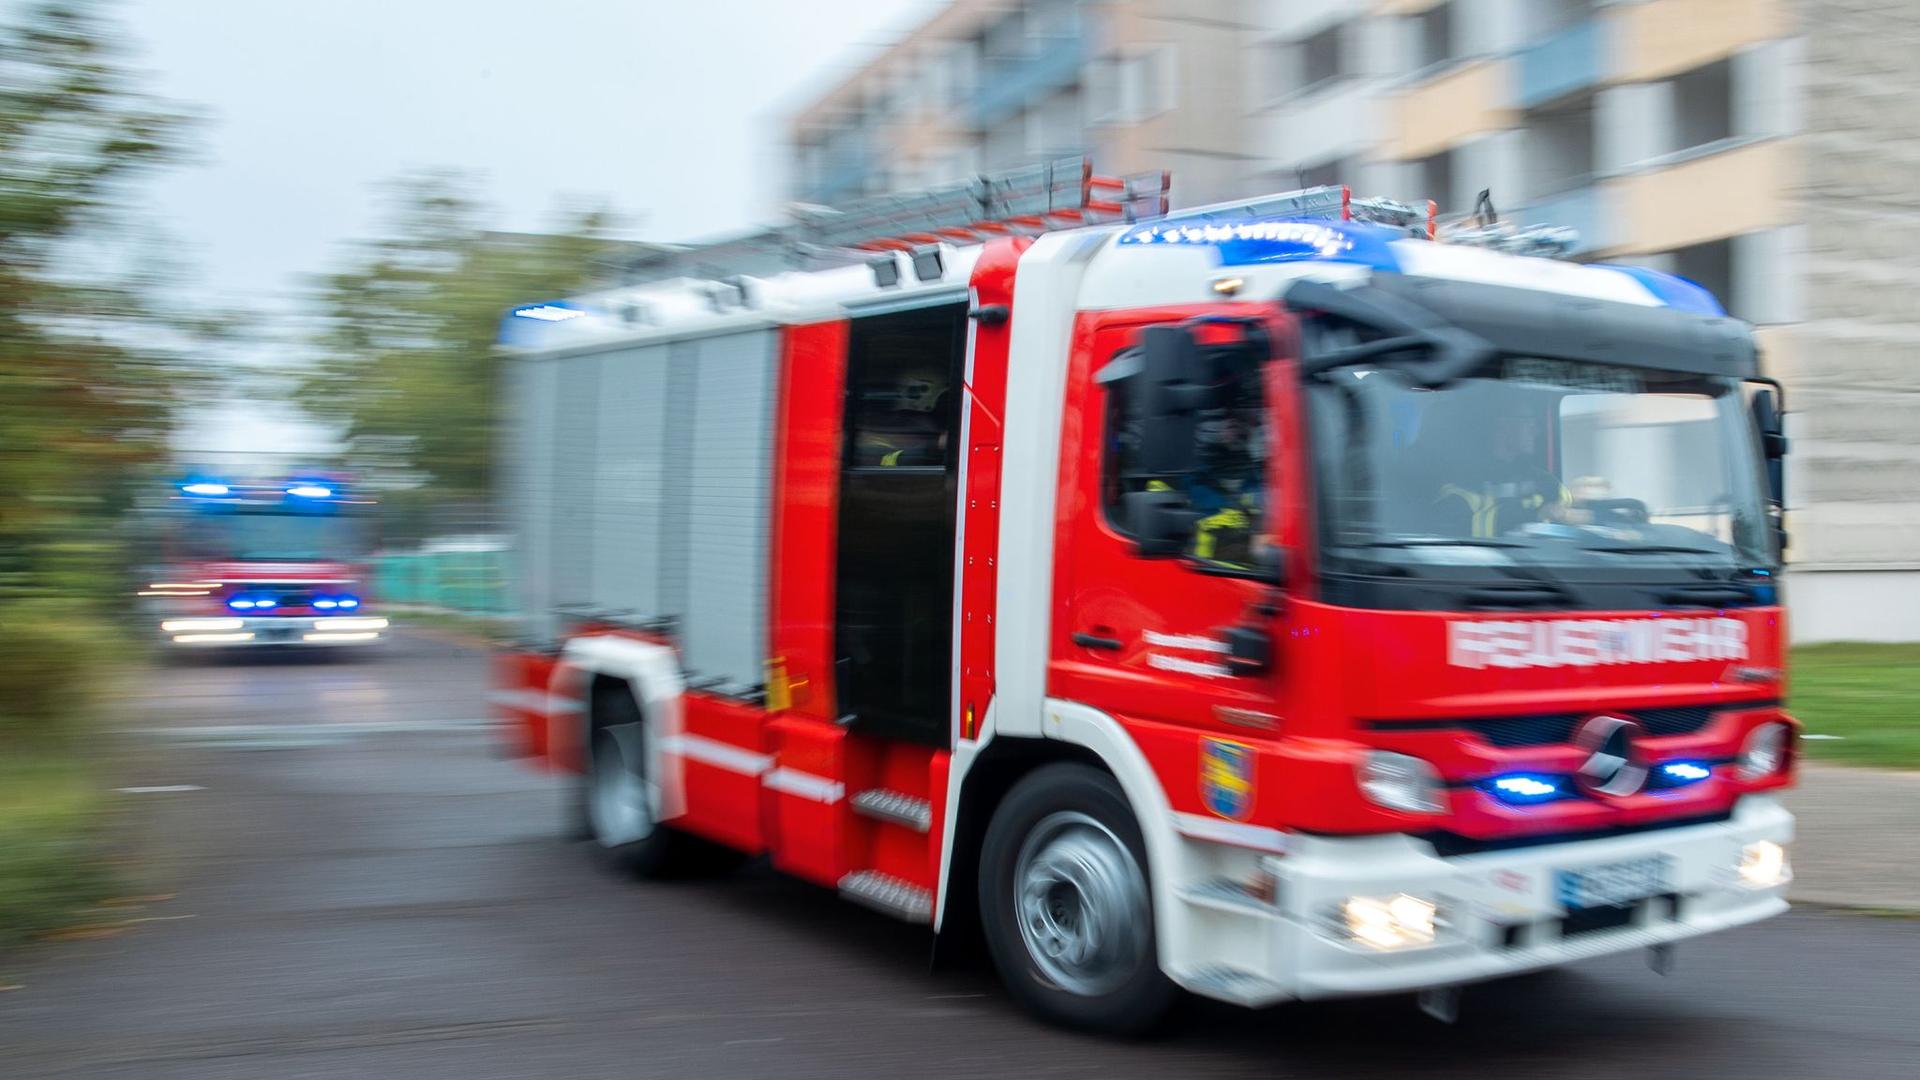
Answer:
x=1095 y=641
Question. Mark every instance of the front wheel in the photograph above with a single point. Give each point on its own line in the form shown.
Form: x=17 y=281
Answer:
x=1064 y=903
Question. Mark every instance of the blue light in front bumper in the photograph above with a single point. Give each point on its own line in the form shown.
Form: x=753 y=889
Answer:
x=240 y=603
x=1524 y=788
x=1676 y=773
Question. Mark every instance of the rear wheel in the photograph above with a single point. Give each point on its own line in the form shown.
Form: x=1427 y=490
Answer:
x=621 y=801
x=1065 y=906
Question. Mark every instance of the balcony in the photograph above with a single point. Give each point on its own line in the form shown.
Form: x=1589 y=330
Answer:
x=1557 y=66
x=1009 y=85
x=1583 y=209
x=843 y=174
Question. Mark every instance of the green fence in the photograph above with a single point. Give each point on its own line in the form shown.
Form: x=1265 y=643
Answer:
x=468 y=581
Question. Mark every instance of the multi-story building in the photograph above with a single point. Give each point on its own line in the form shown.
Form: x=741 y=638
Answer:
x=990 y=84
x=1764 y=148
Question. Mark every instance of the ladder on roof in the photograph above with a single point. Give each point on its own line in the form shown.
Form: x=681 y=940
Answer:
x=1332 y=202
x=1036 y=198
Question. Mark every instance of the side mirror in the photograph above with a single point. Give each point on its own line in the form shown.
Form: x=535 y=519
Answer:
x=1161 y=521
x=1173 y=388
x=1771 y=424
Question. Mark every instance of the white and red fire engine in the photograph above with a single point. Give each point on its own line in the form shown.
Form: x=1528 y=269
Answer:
x=1269 y=601
x=243 y=563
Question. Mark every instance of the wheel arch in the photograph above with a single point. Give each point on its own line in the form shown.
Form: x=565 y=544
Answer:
x=651 y=673
x=1072 y=733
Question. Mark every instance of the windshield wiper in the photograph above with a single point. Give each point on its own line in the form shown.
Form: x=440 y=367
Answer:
x=1439 y=541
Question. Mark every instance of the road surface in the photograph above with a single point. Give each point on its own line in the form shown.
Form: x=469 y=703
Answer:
x=348 y=884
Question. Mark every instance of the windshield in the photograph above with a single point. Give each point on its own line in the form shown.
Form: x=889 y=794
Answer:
x=1578 y=468
x=274 y=537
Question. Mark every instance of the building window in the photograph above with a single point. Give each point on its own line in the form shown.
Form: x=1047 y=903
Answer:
x=1703 y=106
x=1559 y=150
x=1323 y=57
x=1545 y=18
x=1150 y=84
x=1432 y=36
x=1327 y=173
x=1435 y=178
x=1710 y=266
x=1128 y=89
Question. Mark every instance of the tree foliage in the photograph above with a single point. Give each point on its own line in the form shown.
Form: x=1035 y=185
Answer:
x=408 y=367
x=89 y=370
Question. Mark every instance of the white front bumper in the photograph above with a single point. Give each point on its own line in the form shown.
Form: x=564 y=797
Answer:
x=303 y=631
x=1502 y=915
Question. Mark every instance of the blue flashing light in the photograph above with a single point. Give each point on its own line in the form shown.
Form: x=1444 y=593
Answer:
x=1524 y=788
x=240 y=603
x=325 y=604
x=310 y=491
x=1269 y=240
x=547 y=312
x=206 y=489
x=1671 y=290
x=1684 y=772
x=349 y=602
x=265 y=602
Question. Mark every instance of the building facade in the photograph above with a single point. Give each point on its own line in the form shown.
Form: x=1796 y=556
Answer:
x=991 y=84
x=1763 y=148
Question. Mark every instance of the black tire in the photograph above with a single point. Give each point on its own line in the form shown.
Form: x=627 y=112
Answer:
x=1131 y=996
x=617 y=743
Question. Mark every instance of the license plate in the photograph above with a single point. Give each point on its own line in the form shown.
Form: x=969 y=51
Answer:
x=1612 y=884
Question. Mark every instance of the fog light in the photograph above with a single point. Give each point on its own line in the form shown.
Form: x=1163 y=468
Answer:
x=1763 y=865
x=1765 y=752
x=1401 y=922
x=1400 y=782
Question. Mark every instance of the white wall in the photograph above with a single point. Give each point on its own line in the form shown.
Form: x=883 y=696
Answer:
x=1853 y=605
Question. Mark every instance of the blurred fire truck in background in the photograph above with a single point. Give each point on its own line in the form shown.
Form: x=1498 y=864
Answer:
x=260 y=562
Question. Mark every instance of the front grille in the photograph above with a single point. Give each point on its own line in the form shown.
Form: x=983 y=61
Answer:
x=1550 y=728
x=1449 y=844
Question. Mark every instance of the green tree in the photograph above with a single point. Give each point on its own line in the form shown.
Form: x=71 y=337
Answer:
x=407 y=363
x=89 y=374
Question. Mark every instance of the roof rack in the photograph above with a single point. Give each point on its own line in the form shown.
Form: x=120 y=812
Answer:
x=1025 y=201
x=1032 y=199
x=1333 y=202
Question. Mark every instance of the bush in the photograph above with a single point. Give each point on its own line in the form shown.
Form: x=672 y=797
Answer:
x=49 y=837
x=51 y=653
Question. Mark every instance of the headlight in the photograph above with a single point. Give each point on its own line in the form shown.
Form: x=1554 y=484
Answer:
x=1765 y=752
x=1763 y=864
x=1400 y=782
x=1398 y=922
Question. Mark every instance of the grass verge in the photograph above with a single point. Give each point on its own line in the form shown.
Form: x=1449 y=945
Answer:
x=1864 y=693
x=50 y=811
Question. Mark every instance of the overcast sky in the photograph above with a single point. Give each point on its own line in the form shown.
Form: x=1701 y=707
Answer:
x=669 y=108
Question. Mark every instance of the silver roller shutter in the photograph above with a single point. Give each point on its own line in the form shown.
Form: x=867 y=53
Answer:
x=728 y=476
x=575 y=450
x=528 y=472
x=629 y=481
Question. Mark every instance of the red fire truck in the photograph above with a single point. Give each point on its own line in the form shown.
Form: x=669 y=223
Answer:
x=260 y=562
x=1267 y=602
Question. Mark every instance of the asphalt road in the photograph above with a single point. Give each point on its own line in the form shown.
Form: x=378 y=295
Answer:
x=358 y=888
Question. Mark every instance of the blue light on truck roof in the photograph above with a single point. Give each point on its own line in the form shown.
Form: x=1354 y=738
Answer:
x=310 y=491
x=1266 y=240
x=206 y=488
x=1524 y=788
x=547 y=312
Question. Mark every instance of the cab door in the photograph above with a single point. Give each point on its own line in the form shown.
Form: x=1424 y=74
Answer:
x=1170 y=620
